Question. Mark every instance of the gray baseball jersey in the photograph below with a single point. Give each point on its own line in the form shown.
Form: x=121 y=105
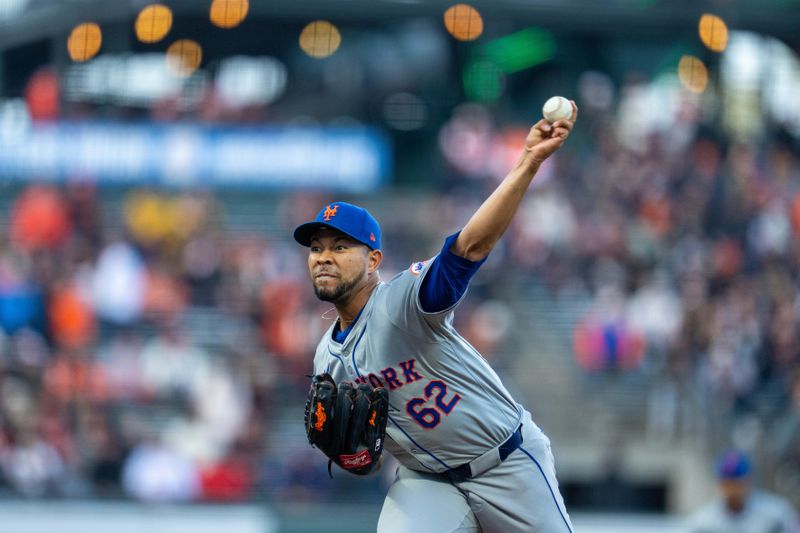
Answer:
x=447 y=405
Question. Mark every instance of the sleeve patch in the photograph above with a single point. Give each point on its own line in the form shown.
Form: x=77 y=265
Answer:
x=417 y=267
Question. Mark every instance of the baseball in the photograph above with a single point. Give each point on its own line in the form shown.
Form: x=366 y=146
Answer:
x=556 y=108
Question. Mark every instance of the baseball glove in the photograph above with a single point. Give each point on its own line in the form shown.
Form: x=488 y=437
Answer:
x=347 y=423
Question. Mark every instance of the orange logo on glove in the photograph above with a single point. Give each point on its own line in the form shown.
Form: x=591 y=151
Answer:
x=372 y=418
x=330 y=212
x=321 y=417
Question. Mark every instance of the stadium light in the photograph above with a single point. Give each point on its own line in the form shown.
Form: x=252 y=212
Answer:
x=153 y=23
x=320 y=39
x=693 y=74
x=713 y=32
x=463 y=22
x=228 y=13
x=184 y=57
x=84 y=42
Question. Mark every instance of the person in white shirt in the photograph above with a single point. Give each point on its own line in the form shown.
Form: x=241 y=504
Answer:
x=740 y=508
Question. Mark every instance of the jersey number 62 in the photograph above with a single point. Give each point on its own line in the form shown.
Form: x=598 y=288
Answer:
x=429 y=417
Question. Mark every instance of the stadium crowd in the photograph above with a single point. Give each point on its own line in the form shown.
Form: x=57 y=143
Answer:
x=142 y=351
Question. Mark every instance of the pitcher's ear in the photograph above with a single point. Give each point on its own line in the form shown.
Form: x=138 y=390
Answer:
x=375 y=260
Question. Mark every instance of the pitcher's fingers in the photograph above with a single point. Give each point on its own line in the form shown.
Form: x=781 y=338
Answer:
x=574 y=116
x=560 y=133
x=563 y=124
x=543 y=126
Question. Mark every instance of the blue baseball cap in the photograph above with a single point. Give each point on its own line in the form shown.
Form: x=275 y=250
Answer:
x=354 y=221
x=733 y=464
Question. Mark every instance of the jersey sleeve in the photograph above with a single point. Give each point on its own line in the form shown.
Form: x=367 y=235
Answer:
x=403 y=301
x=447 y=279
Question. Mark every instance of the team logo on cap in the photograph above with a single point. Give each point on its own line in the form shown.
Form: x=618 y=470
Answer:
x=330 y=212
x=372 y=237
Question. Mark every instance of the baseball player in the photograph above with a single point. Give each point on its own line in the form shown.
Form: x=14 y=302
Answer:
x=471 y=457
x=740 y=509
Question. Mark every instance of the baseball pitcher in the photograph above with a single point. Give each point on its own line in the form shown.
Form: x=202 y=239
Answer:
x=392 y=371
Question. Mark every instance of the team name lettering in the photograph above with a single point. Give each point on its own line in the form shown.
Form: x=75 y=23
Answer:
x=408 y=370
x=390 y=376
x=374 y=380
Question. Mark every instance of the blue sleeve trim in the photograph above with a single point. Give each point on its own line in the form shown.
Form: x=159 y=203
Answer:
x=447 y=278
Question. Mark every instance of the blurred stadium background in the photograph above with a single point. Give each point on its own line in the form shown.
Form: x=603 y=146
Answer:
x=157 y=322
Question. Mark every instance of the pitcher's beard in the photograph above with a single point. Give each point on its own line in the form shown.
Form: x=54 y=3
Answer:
x=334 y=294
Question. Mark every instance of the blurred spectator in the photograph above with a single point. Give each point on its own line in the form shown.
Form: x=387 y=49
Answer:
x=40 y=219
x=735 y=336
x=84 y=209
x=741 y=508
x=73 y=377
x=172 y=366
x=21 y=300
x=149 y=218
x=604 y=340
x=655 y=310
x=31 y=465
x=119 y=284
x=72 y=322
x=154 y=473
x=607 y=346
x=230 y=479
x=121 y=363
x=165 y=296
x=104 y=453
x=201 y=265
x=786 y=432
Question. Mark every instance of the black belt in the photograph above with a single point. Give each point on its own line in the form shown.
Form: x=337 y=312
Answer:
x=465 y=472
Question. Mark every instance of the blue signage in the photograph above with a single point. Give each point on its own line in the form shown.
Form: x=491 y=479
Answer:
x=345 y=159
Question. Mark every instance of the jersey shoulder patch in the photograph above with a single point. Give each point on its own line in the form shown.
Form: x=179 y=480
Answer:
x=417 y=267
